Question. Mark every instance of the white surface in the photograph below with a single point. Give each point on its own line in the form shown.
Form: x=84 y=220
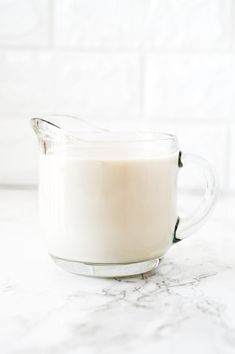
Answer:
x=186 y=306
x=232 y=160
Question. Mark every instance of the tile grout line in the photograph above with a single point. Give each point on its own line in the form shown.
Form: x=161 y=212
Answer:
x=18 y=186
x=103 y=50
x=161 y=119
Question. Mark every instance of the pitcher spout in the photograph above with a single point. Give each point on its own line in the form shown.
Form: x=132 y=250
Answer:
x=62 y=127
x=48 y=133
x=46 y=130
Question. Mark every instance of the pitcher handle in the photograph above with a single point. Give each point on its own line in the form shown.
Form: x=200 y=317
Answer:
x=187 y=225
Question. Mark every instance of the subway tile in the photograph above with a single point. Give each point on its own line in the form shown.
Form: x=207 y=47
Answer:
x=190 y=86
x=169 y=24
x=24 y=23
x=84 y=84
x=18 y=153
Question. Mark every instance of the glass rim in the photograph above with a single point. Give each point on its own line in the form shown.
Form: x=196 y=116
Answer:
x=104 y=136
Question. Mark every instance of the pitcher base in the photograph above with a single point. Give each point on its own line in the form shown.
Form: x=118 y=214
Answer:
x=106 y=270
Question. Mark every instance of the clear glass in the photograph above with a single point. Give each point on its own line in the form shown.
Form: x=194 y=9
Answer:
x=108 y=200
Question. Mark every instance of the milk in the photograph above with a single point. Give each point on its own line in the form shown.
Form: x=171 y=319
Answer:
x=108 y=207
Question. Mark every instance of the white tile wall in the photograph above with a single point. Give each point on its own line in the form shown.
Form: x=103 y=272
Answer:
x=168 y=64
x=190 y=86
x=18 y=152
x=88 y=84
x=24 y=23
x=143 y=24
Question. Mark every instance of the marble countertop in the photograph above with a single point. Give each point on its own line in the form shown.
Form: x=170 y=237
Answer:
x=186 y=306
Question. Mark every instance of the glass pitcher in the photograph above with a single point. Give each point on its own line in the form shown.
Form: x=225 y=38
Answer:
x=108 y=199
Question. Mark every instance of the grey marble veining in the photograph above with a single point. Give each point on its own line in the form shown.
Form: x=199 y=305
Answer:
x=186 y=306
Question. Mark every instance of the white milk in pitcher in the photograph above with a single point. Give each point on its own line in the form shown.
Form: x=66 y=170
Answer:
x=108 y=210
